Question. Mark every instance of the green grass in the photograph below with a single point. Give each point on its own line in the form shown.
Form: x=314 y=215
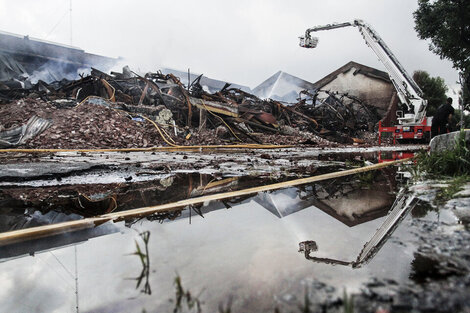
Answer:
x=348 y=302
x=453 y=162
x=145 y=261
x=454 y=186
x=449 y=166
x=184 y=301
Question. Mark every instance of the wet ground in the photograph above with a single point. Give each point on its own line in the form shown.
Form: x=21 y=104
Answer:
x=242 y=253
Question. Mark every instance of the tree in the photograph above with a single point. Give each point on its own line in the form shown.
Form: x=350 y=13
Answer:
x=434 y=90
x=455 y=122
x=447 y=24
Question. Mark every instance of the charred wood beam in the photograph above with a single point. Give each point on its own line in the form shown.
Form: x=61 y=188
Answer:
x=152 y=85
x=298 y=114
x=144 y=93
x=99 y=74
x=215 y=107
x=239 y=129
x=186 y=96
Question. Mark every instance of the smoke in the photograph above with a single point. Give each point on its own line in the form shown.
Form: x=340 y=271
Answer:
x=36 y=59
x=56 y=71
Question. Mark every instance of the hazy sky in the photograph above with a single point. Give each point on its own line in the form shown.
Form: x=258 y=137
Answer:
x=243 y=41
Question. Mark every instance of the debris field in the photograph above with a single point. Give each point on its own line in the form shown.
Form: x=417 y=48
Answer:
x=126 y=110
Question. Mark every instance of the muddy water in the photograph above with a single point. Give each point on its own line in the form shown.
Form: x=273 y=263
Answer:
x=243 y=251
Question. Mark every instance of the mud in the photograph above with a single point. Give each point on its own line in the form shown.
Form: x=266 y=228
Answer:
x=440 y=269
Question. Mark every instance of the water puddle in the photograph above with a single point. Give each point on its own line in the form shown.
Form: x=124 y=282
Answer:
x=253 y=252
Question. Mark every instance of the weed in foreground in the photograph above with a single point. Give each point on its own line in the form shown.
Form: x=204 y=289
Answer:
x=348 y=303
x=184 y=297
x=452 y=162
x=455 y=185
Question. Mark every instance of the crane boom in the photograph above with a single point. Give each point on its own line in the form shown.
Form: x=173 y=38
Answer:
x=408 y=91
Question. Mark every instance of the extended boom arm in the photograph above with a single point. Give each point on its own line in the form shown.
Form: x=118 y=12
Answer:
x=408 y=91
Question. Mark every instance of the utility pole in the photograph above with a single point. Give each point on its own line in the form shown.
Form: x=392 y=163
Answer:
x=76 y=276
x=461 y=99
x=71 y=42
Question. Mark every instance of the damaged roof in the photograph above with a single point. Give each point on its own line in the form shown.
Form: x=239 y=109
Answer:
x=213 y=85
x=32 y=53
x=359 y=69
x=282 y=86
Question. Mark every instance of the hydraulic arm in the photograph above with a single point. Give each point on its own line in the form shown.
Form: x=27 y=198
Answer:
x=407 y=90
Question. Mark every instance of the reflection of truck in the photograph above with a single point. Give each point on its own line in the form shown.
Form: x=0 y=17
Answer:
x=413 y=125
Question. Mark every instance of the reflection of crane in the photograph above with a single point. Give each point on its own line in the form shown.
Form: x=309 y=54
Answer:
x=403 y=204
x=412 y=125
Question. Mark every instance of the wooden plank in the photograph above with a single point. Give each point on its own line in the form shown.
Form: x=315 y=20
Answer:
x=215 y=107
x=144 y=93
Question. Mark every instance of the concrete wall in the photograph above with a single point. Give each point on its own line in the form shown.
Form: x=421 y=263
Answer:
x=373 y=91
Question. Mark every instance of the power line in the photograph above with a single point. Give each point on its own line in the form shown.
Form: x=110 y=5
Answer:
x=62 y=264
x=53 y=28
x=54 y=270
x=71 y=23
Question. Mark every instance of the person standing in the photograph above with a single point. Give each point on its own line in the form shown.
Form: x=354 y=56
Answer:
x=441 y=118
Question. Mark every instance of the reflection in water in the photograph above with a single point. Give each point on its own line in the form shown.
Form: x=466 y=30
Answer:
x=387 y=156
x=143 y=255
x=101 y=202
x=24 y=207
x=159 y=217
x=309 y=246
x=245 y=252
x=182 y=297
x=351 y=200
x=402 y=205
x=55 y=242
x=70 y=202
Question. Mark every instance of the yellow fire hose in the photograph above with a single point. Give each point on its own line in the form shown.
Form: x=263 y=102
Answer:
x=151 y=149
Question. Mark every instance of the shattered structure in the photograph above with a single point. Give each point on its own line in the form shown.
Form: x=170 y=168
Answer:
x=363 y=82
x=283 y=87
x=39 y=80
x=24 y=57
x=129 y=110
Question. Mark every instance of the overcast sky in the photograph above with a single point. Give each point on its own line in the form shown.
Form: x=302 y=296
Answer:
x=243 y=41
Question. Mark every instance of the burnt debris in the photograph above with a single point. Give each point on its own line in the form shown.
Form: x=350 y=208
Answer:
x=127 y=110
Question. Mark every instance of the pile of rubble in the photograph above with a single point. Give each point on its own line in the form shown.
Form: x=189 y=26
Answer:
x=83 y=126
x=126 y=110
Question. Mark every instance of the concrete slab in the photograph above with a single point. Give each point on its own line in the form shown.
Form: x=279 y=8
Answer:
x=447 y=141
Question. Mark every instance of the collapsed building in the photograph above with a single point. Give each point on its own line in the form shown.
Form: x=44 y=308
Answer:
x=23 y=57
x=362 y=82
x=45 y=109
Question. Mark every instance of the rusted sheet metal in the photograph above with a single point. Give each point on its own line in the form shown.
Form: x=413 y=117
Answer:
x=267 y=118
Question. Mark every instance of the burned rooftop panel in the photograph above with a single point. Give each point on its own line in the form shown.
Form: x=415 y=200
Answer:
x=45 y=60
x=211 y=85
x=283 y=86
